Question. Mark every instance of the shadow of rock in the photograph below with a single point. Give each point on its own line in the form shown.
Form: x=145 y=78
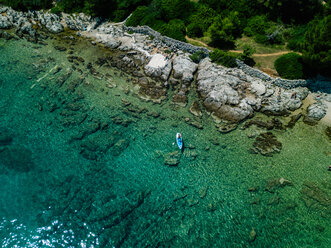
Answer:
x=17 y=158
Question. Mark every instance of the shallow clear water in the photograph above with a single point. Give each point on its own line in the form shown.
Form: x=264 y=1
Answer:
x=81 y=169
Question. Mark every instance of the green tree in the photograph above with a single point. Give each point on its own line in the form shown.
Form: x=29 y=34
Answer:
x=224 y=31
x=317 y=45
x=290 y=66
x=174 y=29
x=28 y=4
x=176 y=9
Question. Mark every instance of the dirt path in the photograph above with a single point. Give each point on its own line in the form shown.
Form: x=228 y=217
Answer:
x=240 y=51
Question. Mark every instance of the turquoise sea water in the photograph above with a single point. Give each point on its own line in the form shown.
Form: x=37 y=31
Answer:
x=82 y=165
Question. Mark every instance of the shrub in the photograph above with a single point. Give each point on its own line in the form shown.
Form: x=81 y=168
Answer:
x=137 y=16
x=203 y=16
x=224 y=58
x=290 y=66
x=28 y=4
x=296 y=38
x=317 y=45
x=246 y=56
x=224 y=31
x=256 y=25
x=198 y=56
x=56 y=10
x=194 y=30
x=174 y=29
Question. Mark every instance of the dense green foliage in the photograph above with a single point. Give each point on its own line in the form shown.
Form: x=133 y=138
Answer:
x=28 y=4
x=317 y=45
x=198 y=56
x=226 y=59
x=290 y=66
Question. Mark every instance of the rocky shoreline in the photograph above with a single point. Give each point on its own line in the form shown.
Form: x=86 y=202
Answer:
x=158 y=65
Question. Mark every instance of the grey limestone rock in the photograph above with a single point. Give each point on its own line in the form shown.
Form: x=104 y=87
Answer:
x=184 y=68
x=316 y=111
x=4 y=22
x=113 y=44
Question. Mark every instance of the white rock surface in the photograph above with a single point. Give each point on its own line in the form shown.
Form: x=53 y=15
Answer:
x=184 y=68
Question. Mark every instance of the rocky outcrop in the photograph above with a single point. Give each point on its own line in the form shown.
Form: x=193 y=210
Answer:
x=283 y=101
x=221 y=92
x=184 y=68
x=316 y=111
x=51 y=22
x=159 y=66
x=4 y=22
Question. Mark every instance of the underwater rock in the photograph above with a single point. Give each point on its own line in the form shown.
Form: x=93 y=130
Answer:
x=269 y=125
x=73 y=119
x=17 y=158
x=5 y=137
x=284 y=182
x=267 y=144
x=172 y=158
x=224 y=127
x=317 y=198
x=195 y=124
x=152 y=92
x=328 y=132
x=252 y=235
x=195 y=109
x=275 y=183
x=180 y=99
x=120 y=146
x=294 y=120
x=203 y=192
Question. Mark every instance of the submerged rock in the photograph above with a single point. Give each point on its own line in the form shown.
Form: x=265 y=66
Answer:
x=328 y=132
x=252 y=235
x=5 y=137
x=317 y=198
x=294 y=120
x=120 y=146
x=17 y=158
x=266 y=144
x=180 y=99
x=172 y=158
x=195 y=109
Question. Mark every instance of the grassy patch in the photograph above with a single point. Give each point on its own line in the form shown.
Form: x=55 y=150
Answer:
x=259 y=48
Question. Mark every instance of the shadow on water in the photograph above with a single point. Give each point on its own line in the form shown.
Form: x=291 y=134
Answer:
x=320 y=84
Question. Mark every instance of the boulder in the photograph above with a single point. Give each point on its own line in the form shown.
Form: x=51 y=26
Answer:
x=316 y=111
x=184 y=68
x=113 y=44
x=5 y=22
x=258 y=88
x=156 y=65
x=56 y=27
